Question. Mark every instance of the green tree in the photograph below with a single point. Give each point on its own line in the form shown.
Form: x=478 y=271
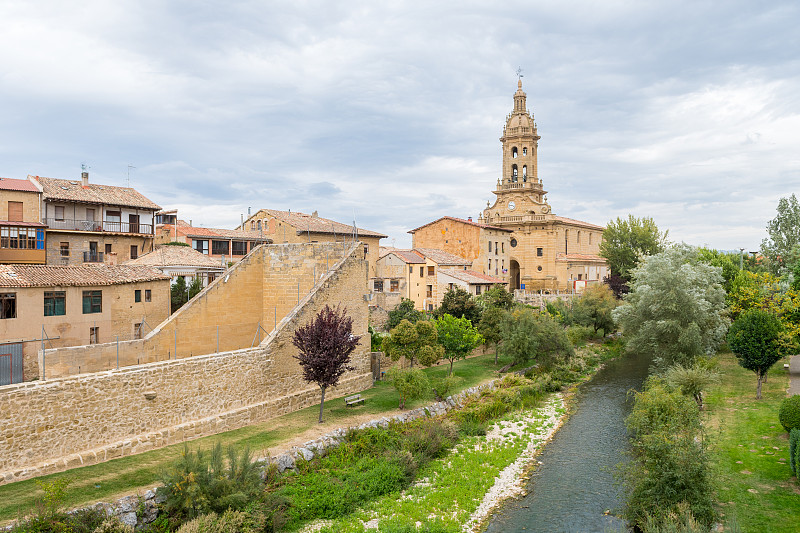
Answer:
x=459 y=303
x=784 y=233
x=458 y=337
x=675 y=310
x=410 y=383
x=756 y=340
x=729 y=263
x=489 y=327
x=527 y=336
x=626 y=241
x=594 y=308
x=692 y=380
x=404 y=311
x=497 y=296
x=178 y=294
x=415 y=342
x=195 y=287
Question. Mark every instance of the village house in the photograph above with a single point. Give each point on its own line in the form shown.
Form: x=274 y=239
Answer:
x=181 y=261
x=23 y=237
x=223 y=245
x=475 y=283
x=296 y=227
x=73 y=305
x=93 y=223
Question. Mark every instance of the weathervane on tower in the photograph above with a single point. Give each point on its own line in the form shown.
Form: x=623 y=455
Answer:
x=520 y=75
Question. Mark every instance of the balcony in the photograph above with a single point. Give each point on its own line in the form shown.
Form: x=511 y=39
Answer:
x=100 y=226
x=92 y=257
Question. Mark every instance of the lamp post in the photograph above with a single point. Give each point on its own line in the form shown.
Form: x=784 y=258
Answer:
x=741 y=258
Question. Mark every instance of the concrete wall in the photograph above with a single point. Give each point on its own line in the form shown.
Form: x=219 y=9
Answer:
x=127 y=411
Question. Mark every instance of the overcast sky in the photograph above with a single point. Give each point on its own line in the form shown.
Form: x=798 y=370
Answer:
x=390 y=112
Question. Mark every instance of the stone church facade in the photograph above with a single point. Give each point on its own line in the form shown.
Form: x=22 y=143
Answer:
x=544 y=251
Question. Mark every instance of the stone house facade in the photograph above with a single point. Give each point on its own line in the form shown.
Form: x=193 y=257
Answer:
x=222 y=245
x=23 y=237
x=88 y=222
x=74 y=305
x=181 y=261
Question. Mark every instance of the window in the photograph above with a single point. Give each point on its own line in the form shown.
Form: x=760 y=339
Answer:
x=580 y=277
x=578 y=238
x=137 y=295
x=59 y=212
x=421 y=271
x=431 y=270
x=134 y=251
x=503 y=265
x=524 y=151
x=219 y=247
x=15 y=211
x=514 y=152
x=590 y=239
x=259 y=225
x=64 y=248
x=108 y=249
x=55 y=303
x=513 y=243
x=89 y=214
x=429 y=291
x=502 y=247
x=394 y=285
x=94 y=335
x=148 y=295
x=92 y=302
x=495 y=248
x=524 y=172
x=490 y=246
x=410 y=269
x=514 y=173
x=378 y=285
x=239 y=247
x=114 y=217
x=430 y=307
x=539 y=268
x=539 y=252
x=490 y=264
x=200 y=245
x=252 y=224
x=8 y=305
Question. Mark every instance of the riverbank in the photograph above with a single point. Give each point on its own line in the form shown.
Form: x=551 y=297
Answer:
x=750 y=450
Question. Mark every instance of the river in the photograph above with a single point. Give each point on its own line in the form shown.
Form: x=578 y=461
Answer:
x=573 y=487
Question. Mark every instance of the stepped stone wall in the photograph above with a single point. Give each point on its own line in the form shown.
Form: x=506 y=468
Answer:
x=62 y=423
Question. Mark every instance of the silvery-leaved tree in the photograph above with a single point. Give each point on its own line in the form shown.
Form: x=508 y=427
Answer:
x=675 y=310
x=784 y=234
x=325 y=346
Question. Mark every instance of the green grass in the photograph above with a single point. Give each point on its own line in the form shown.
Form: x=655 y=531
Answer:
x=137 y=473
x=750 y=450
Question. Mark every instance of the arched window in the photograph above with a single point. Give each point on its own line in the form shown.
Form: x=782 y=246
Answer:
x=514 y=152
x=258 y=225
x=578 y=240
x=524 y=172
x=524 y=150
x=514 y=173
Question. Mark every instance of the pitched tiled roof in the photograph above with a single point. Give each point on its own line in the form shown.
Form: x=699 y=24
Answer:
x=408 y=256
x=441 y=257
x=302 y=222
x=462 y=221
x=580 y=257
x=10 y=184
x=74 y=191
x=194 y=231
x=574 y=222
x=75 y=276
x=171 y=255
x=471 y=276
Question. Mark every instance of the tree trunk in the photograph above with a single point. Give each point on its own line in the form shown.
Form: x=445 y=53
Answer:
x=321 y=404
x=451 y=367
x=495 y=355
x=758 y=389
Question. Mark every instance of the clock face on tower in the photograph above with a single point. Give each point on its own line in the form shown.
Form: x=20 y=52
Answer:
x=511 y=205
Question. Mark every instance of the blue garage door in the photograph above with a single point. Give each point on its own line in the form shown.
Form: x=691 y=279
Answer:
x=10 y=363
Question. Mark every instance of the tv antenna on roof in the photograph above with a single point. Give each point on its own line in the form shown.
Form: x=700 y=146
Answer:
x=520 y=75
x=128 y=184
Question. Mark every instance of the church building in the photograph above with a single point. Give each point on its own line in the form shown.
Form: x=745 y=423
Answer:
x=537 y=249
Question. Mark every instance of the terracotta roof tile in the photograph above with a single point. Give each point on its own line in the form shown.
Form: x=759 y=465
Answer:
x=303 y=222
x=171 y=255
x=195 y=231
x=74 y=191
x=408 y=256
x=471 y=276
x=462 y=221
x=75 y=276
x=10 y=184
x=441 y=257
x=578 y=222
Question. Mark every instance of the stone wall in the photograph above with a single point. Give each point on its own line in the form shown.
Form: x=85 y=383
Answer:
x=79 y=243
x=67 y=422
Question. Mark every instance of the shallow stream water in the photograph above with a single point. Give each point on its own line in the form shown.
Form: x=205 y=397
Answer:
x=574 y=487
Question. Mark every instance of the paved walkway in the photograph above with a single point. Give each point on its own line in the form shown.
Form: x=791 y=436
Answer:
x=794 y=375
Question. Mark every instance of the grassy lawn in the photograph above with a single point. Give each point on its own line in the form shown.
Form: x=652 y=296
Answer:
x=750 y=450
x=137 y=473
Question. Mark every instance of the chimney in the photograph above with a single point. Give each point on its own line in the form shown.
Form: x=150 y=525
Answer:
x=315 y=214
x=85 y=178
x=111 y=258
x=469 y=218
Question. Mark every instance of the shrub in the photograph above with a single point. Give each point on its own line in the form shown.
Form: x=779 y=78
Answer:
x=794 y=439
x=228 y=522
x=679 y=520
x=409 y=383
x=691 y=381
x=443 y=387
x=111 y=525
x=789 y=412
x=201 y=483
x=578 y=335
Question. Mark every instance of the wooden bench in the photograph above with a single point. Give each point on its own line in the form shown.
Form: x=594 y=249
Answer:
x=355 y=399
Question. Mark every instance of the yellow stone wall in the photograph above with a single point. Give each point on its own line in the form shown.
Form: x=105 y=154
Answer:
x=138 y=408
x=79 y=243
x=30 y=205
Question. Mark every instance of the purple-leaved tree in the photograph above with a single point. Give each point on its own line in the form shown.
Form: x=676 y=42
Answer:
x=325 y=346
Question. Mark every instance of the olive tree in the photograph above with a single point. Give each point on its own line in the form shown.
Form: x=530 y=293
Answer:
x=675 y=310
x=325 y=346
